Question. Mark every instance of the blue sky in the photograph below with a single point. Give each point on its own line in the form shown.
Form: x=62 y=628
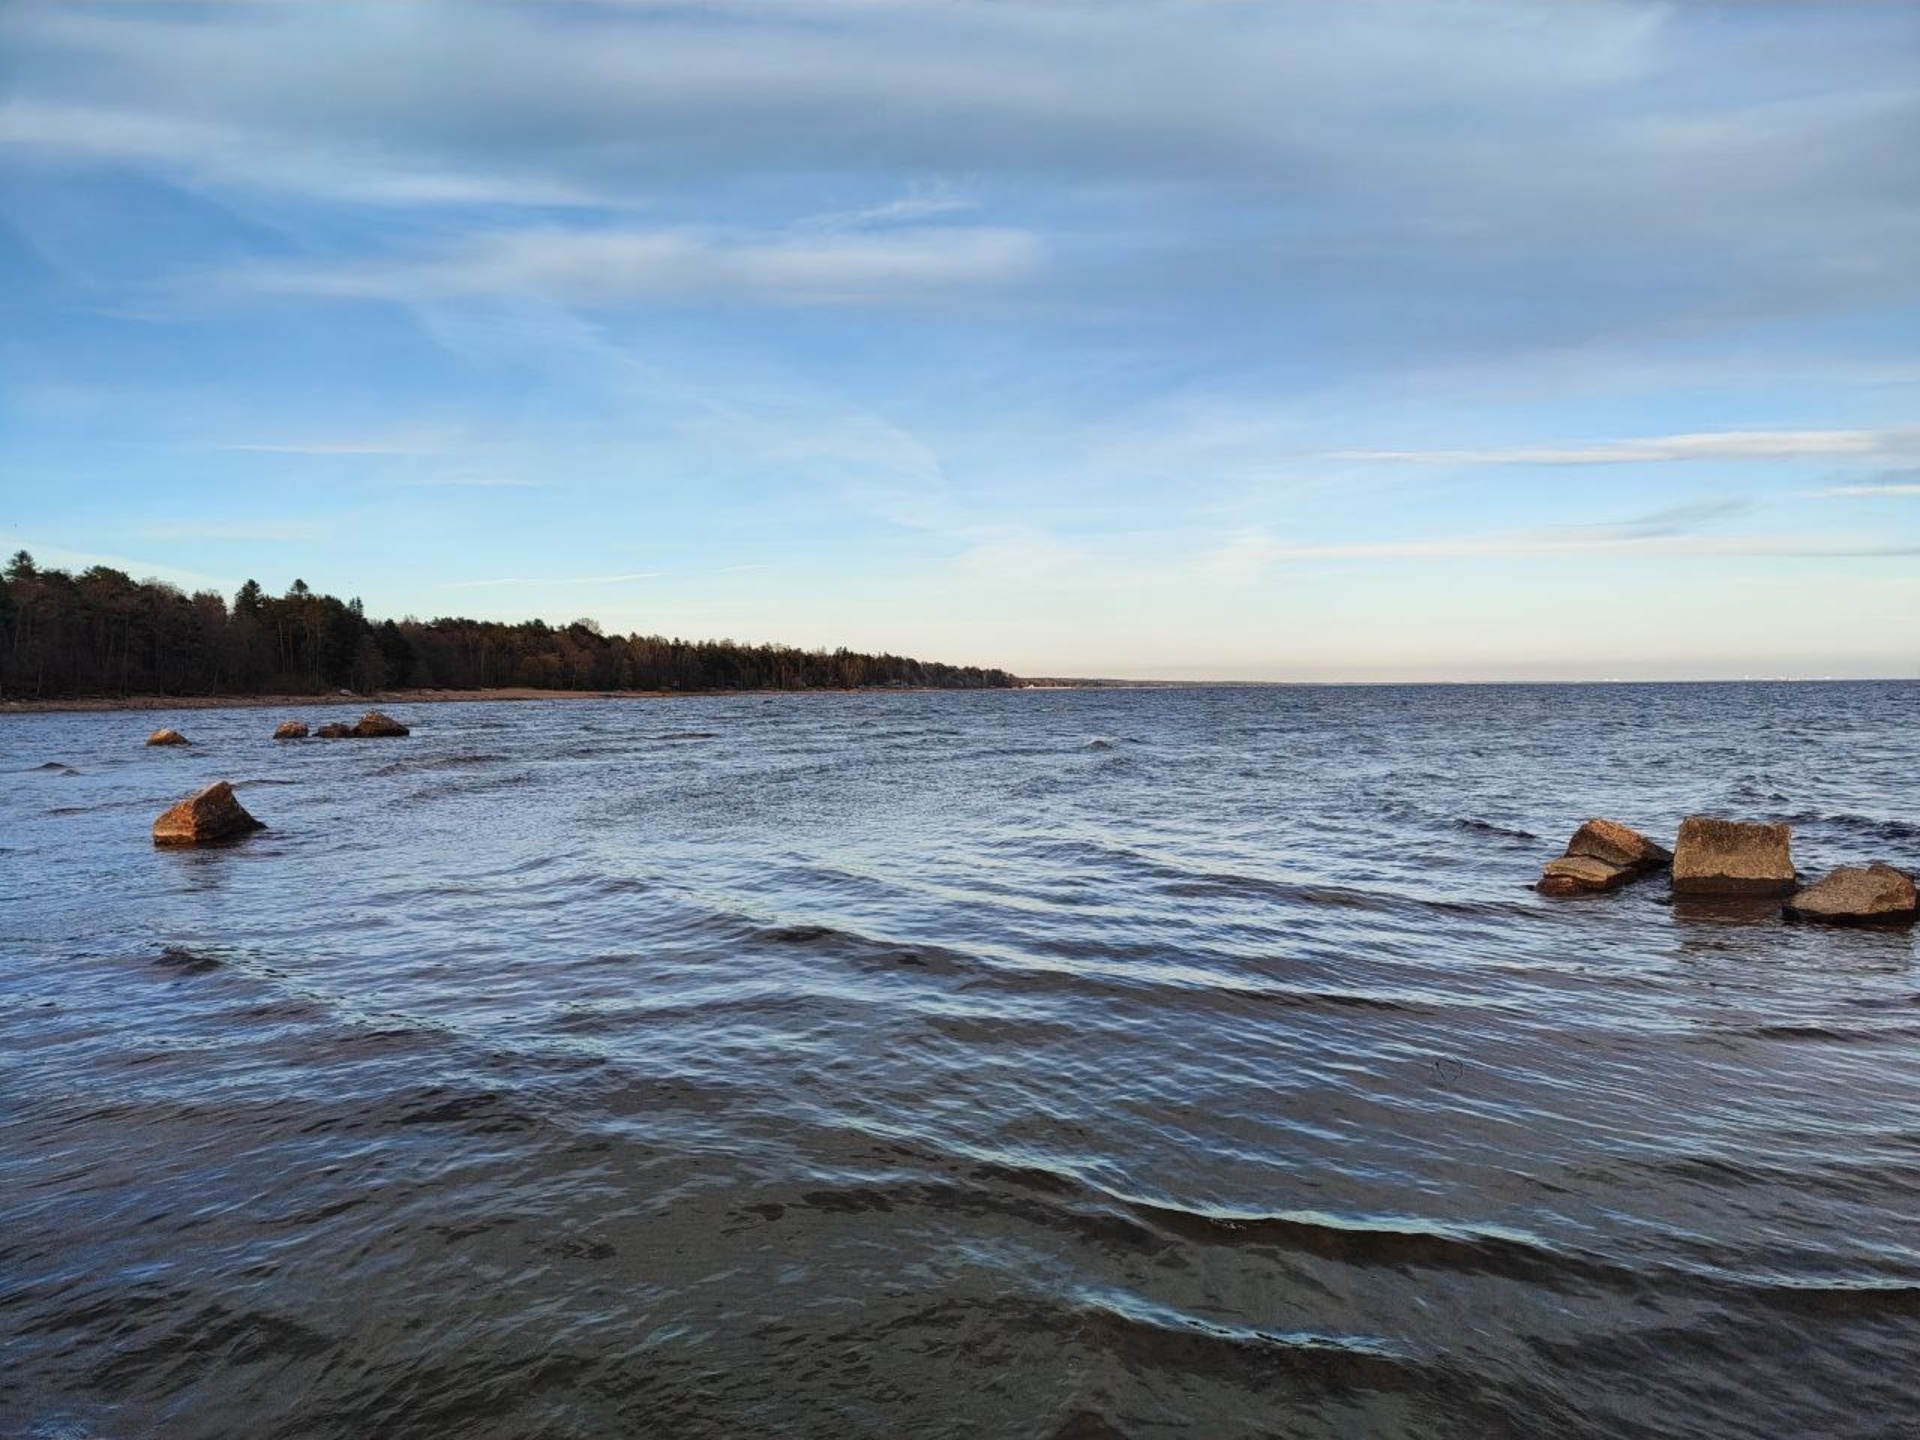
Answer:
x=1194 y=338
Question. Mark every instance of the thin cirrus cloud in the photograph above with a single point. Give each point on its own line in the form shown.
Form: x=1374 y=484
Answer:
x=1672 y=531
x=216 y=156
x=268 y=531
x=1718 y=445
x=637 y=265
x=345 y=445
x=517 y=580
x=1521 y=544
x=1888 y=483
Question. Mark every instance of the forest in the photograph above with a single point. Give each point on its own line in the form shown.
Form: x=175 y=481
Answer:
x=102 y=633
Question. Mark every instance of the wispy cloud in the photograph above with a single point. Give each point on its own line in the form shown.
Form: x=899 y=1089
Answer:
x=612 y=267
x=200 y=154
x=1887 y=483
x=414 y=442
x=1523 y=544
x=1706 y=445
x=922 y=202
x=553 y=580
x=467 y=482
x=263 y=531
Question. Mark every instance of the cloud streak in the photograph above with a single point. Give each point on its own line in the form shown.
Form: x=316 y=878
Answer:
x=627 y=579
x=1669 y=449
x=619 y=267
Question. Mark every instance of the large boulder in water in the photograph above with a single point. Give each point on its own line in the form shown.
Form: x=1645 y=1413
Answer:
x=1733 y=857
x=167 y=737
x=1603 y=855
x=290 y=730
x=374 y=724
x=334 y=730
x=209 y=818
x=1858 y=895
x=1616 y=844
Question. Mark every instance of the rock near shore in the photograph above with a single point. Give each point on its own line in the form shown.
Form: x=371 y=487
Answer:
x=1603 y=855
x=1858 y=895
x=212 y=817
x=290 y=730
x=375 y=724
x=1733 y=857
x=167 y=737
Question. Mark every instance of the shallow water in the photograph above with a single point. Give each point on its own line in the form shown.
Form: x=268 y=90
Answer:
x=1050 y=1064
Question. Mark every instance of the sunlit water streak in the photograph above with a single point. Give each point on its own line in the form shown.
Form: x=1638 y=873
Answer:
x=1051 y=1064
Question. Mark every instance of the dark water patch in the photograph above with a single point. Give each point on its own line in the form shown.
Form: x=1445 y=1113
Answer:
x=460 y=761
x=486 y=786
x=1861 y=828
x=486 y=1112
x=1826 y=1033
x=689 y=735
x=1487 y=827
x=864 y=950
x=182 y=961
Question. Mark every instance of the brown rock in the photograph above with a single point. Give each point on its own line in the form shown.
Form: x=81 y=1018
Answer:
x=1614 y=843
x=1603 y=855
x=1583 y=875
x=209 y=818
x=1732 y=857
x=374 y=724
x=334 y=731
x=167 y=737
x=290 y=730
x=1858 y=895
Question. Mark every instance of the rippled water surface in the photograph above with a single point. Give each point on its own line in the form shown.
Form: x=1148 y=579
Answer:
x=1063 y=1065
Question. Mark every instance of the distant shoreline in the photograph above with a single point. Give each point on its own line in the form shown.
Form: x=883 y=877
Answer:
x=86 y=704
x=414 y=696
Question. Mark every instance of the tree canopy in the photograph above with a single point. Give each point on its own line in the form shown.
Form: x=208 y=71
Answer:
x=101 y=632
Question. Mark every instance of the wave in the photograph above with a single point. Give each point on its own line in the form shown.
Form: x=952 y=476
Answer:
x=186 y=962
x=1394 y=1242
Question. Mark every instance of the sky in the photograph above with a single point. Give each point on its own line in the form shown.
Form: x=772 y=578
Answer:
x=1231 y=339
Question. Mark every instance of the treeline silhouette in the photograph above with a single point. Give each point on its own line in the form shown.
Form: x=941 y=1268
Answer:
x=103 y=633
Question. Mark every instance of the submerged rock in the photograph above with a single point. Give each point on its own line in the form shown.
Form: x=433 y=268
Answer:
x=209 y=818
x=1603 y=855
x=1582 y=875
x=1733 y=857
x=167 y=737
x=334 y=731
x=374 y=724
x=1858 y=895
x=290 y=730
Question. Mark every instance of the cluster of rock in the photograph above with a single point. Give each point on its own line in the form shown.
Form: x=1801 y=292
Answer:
x=372 y=725
x=1737 y=858
x=214 y=816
